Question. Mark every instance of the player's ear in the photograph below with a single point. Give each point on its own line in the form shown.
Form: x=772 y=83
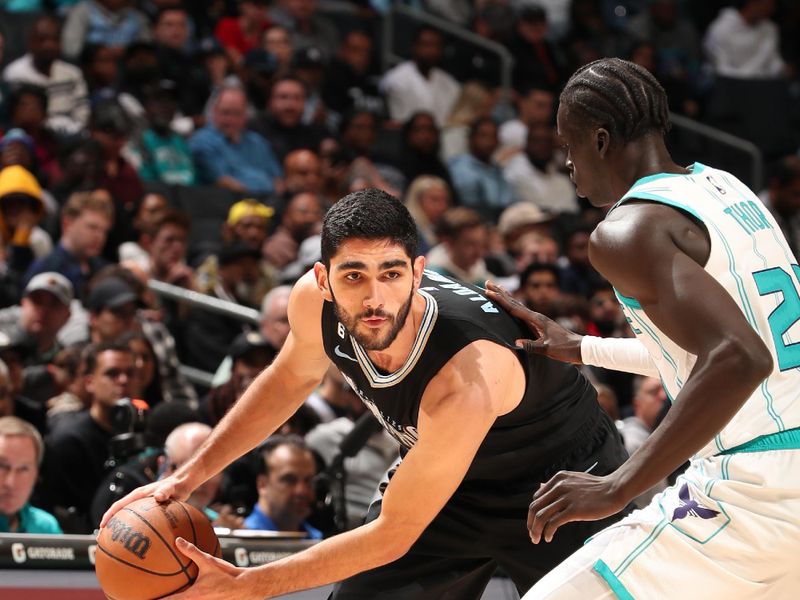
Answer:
x=602 y=140
x=323 y=283
x=418 y=266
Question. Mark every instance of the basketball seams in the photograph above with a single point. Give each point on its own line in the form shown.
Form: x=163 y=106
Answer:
x=148 y=571
x=168 y=546
x=191 y=524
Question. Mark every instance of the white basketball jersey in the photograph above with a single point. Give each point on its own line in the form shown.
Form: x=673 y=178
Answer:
x=752 y=261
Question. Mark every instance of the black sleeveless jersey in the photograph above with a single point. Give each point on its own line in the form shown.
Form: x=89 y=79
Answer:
x=558 y=410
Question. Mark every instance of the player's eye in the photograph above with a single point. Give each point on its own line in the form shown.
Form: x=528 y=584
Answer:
x=352 y=276
x=392 y=275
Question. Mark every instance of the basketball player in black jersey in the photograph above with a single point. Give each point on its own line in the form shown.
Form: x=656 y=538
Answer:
x=481 y=424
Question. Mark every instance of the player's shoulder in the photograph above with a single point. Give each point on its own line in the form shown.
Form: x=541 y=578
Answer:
x=305 y=302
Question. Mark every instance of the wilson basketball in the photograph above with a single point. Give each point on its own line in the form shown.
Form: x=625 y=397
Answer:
x=136 y=555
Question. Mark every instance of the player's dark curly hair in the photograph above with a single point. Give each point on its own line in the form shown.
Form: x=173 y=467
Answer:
x=369 y=214
x=620 y=96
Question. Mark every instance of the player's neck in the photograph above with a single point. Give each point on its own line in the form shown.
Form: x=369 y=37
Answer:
x=393 y=357
x=645 y=156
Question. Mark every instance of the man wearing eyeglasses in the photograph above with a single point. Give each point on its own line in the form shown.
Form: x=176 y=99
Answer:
x=78 y=447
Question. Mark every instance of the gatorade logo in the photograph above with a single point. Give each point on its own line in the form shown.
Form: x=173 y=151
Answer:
x=18 y=553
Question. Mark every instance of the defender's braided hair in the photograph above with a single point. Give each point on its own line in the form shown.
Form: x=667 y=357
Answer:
x=619 y=96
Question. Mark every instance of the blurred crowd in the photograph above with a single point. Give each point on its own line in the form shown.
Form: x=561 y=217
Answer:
x=199 y=144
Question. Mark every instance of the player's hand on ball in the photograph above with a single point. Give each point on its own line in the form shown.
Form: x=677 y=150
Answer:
x=551 y=338
x=215 y=579
x=169 y=488
x=571 y=496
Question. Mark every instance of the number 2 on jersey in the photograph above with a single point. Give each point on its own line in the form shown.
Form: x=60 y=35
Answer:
x=786 y=314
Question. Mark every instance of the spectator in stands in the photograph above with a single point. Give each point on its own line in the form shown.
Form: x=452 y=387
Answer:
x=536 y=175
x=68 y=109
x=43 y=310
x=248 y=222
x=285 y=490
x=145 y=384
x=534 y=247
x=537 y=60
x=419 y=154
x=419 y=84
x=151 y=210
x=350 y=84
x=607 y=318
x=67 y=369
x=85 y=221
x=363 y=472
x=301 y=218
x=427 y=199
x=101 y=70
x=474 y=102
x=306 y=26
x=181 y=444
x=163 y=155
x=649 y=398
x=539 y=288
x=167 y=241
x=334 y=398
x=782 y=197
x=278 y=43
x=590 y=36
x=207 y=335
x=743 y=43
x=302 y=172
x=84 y=438
x=27 y=110
x=463 y=247
x=81 y=165
x=676 y=42
x=309 y=65
x=229 y=155
x=522 y=218
x=21 y=453
x=535 y=104
x=178 y=59
x=242 y=33
x=578 y=276
x=358 y=132
x=249 y=354
x=13 y=351
x=21 y=211
x=110 y=126
x=478 y=181
x=274 y=325
x=282 y=124
x=111 y=23
x=153 y=323
x=112 y=306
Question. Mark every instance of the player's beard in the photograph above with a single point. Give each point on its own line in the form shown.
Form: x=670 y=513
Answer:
x=371 y=342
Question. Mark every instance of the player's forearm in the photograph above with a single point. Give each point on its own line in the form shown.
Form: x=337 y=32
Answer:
x=719 y=385
x=332 y=560
x=266 y=404
x=620 y=354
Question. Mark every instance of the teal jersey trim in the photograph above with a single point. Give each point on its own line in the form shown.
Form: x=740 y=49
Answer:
x=788 y=439
x=612 y=580
x=628 y=301
x=633 y=194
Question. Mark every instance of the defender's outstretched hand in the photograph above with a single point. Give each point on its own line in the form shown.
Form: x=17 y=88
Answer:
x=571 y=496
x=551 y=340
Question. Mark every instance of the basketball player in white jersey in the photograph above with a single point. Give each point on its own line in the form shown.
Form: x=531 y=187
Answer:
x=712 y=292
